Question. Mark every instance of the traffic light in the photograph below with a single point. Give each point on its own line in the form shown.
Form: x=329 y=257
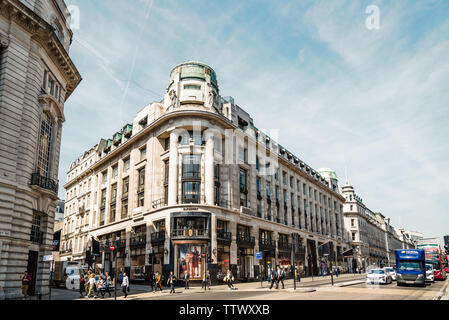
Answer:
x=209 y=258
x=151 y=259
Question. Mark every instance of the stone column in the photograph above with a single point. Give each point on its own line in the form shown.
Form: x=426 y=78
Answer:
x=173 y=167
x=209 y=170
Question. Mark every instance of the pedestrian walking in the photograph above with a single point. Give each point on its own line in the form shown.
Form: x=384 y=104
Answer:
x=82 y=286
x=272 y=277
x=107 y=284
x=26 y=281
x=120 y=277
x=206 y=281
x=91 y=286
x=186 y=279
x=336 y=271
x=171 y=282
x=281 y=277
x=125 y=285
x=100 y=287
x=158 y=281
x=229 y=279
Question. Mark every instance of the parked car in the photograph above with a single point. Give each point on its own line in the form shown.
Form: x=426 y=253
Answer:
x=392 y=272
x=378 y=276
x=430 y=273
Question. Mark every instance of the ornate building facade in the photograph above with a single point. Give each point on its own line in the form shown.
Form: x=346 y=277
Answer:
x=372 y=238
x=192 y=178
x=37 y=77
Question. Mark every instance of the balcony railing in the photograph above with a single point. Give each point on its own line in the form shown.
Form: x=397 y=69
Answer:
x=158 y=236
x=224 y=236
x=138 y=240
x=120 y=244
x=245 y=239
x=267 y=243
x=159 y=203
x=190 y=233
x=223 y=203
x=43 y=182
x=282 y=245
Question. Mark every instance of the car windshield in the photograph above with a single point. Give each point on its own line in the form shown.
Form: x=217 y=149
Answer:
x=389 y=269
x=409 y=266
x=377 y=271
x=428 y=267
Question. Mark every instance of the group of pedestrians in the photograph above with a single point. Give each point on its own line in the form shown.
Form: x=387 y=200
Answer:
x=277 y=276
x=94 y=285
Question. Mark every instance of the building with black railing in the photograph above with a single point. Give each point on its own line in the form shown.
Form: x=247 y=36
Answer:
x=204 y=185
x=38 y=76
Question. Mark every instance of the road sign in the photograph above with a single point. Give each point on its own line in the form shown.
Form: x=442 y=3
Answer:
x=259 y=255
x=112 y=247
x=48 y=258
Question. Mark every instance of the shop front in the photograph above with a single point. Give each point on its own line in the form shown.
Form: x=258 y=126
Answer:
x=267 y=262
x=224 y=239
x=190 y=236
x=137 y=248
x=245 y=254
x=191 y=258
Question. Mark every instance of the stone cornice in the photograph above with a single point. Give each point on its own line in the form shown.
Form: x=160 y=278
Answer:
x=43 y=33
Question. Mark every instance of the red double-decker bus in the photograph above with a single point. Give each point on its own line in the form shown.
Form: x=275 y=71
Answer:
x=435 y=256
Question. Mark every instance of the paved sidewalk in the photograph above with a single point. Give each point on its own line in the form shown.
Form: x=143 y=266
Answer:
x=305 y=282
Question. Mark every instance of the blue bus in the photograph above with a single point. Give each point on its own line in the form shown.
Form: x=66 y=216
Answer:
x=410 y=267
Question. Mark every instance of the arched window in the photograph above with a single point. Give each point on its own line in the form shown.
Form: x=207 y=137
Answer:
x=45 y=146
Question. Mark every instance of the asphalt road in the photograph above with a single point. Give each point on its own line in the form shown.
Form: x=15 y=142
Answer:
x=319 y=290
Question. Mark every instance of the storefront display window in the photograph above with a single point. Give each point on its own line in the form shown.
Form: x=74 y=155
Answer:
x=223 y=258
x=190 y=260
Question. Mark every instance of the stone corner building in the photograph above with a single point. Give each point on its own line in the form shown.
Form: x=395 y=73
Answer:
x=192 y=177
x=36 y=77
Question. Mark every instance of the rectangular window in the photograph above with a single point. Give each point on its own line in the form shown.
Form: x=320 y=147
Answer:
x=124 y=213
x=125 y=187
x=191 y=192
x=143 y=153
x=103 y=198
x=114 y=193
x=105 y=177
x=192 y=87
x=45 y=146
x=258 y=186
x=191 y=167
x=36 y=235
x=141 y=188
x=102 y=214
x=115 y=171
x=243 y=182
x=126 y=163
x=259 y=208
x=268 y=190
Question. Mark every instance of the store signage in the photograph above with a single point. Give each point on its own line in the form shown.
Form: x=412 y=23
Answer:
x=259 y=255
x=190 y=209
x=48 y=258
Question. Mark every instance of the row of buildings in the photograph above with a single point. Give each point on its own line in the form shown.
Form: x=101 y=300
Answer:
x=192 y=177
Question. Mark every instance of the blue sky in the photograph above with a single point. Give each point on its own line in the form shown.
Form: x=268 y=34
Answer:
x=373 y=101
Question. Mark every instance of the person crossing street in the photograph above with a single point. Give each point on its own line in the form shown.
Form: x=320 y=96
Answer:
x=171 y=282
